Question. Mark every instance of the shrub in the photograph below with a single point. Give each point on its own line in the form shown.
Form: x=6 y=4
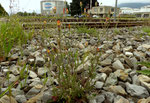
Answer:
x=73 y=86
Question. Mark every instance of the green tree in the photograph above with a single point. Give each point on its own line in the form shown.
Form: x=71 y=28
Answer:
x=75 y=6
x=2 y=11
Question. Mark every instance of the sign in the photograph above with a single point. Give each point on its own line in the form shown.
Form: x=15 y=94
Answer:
x=48 y=5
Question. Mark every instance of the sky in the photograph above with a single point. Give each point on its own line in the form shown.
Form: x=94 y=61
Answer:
x=34 y=5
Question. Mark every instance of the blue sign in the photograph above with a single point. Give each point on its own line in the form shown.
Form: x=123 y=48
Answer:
x=48 y=5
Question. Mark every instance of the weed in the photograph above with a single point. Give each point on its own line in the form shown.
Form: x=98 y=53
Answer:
x=145 y=72
x=90 y=31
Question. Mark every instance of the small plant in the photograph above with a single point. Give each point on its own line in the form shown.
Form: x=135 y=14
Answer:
x=90 y=31
x=145 y=72
x=147 y=30
x=11 y=34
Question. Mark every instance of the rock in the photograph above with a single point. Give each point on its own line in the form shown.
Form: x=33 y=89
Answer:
x=39 y=61
x=99 y=85
x=116 y=48
x=7 y=99
x=128 y=54
x=100 y=98
x=132 y=62
x=101 y=77
x=144 y=100
x=106 y=70
x=118 y=65
x=116 y=89
x=106 y=62
x=81 y=46
x=21 y=98
x=122 y=75
x=16 y=92
x=33 y=92
x=32 y=74
x=146 y=46
x=120 y=99
x=111 y=80
x=92 y=101
x=136 y=91
x=47 y=96
x=42 y=71
x=15 y=70
x=109 y=97
x=145 y=81
x=139 y=54
x=31 y=61
x=83 y=67
x=135 y=80
x=127 y=49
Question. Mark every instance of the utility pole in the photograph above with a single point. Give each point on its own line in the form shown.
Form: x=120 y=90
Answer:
x=115 y=10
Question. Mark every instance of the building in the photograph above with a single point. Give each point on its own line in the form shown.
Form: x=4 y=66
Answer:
x=126 y=10
x=104 y=11
x=53 y=7
x=143 y=12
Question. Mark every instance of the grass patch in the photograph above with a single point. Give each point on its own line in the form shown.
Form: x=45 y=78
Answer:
x=90 y=31
x=11 y=34
x=146 y=29
x=145 y=72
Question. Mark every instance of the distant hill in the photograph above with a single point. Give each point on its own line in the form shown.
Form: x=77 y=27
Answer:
x=133 y=5
x=2 y=11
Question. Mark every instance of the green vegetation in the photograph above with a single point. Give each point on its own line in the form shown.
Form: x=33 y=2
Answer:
x=146 y=29
x=2 y=11
x=90 y=31
x=145 y=72
x=12 y=34
x=74 y=85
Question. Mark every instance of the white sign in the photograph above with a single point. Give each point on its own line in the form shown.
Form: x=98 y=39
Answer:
x=48 y=5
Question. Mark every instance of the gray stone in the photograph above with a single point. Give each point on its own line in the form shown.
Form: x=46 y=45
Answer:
x=16 y=92
x=135 y=80
x=21 y=98
x=46 y=96
x=15 y=70
x=99 y=85
x=120 y=99
x=7 y=99
x=31 y=61
x=39 y=61
x=32 y=74
x=106 y=70
x=100 y=98
x=111 y=80
x=109 y=97
x=32 y=92
x=106 y=62
x=136 y=91
x=118 y=65
x=128 y=54
x=42 y=71
x=116 y=89
x=101 y=77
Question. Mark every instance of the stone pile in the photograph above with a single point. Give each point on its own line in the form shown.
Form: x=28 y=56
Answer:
x=116 y=81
